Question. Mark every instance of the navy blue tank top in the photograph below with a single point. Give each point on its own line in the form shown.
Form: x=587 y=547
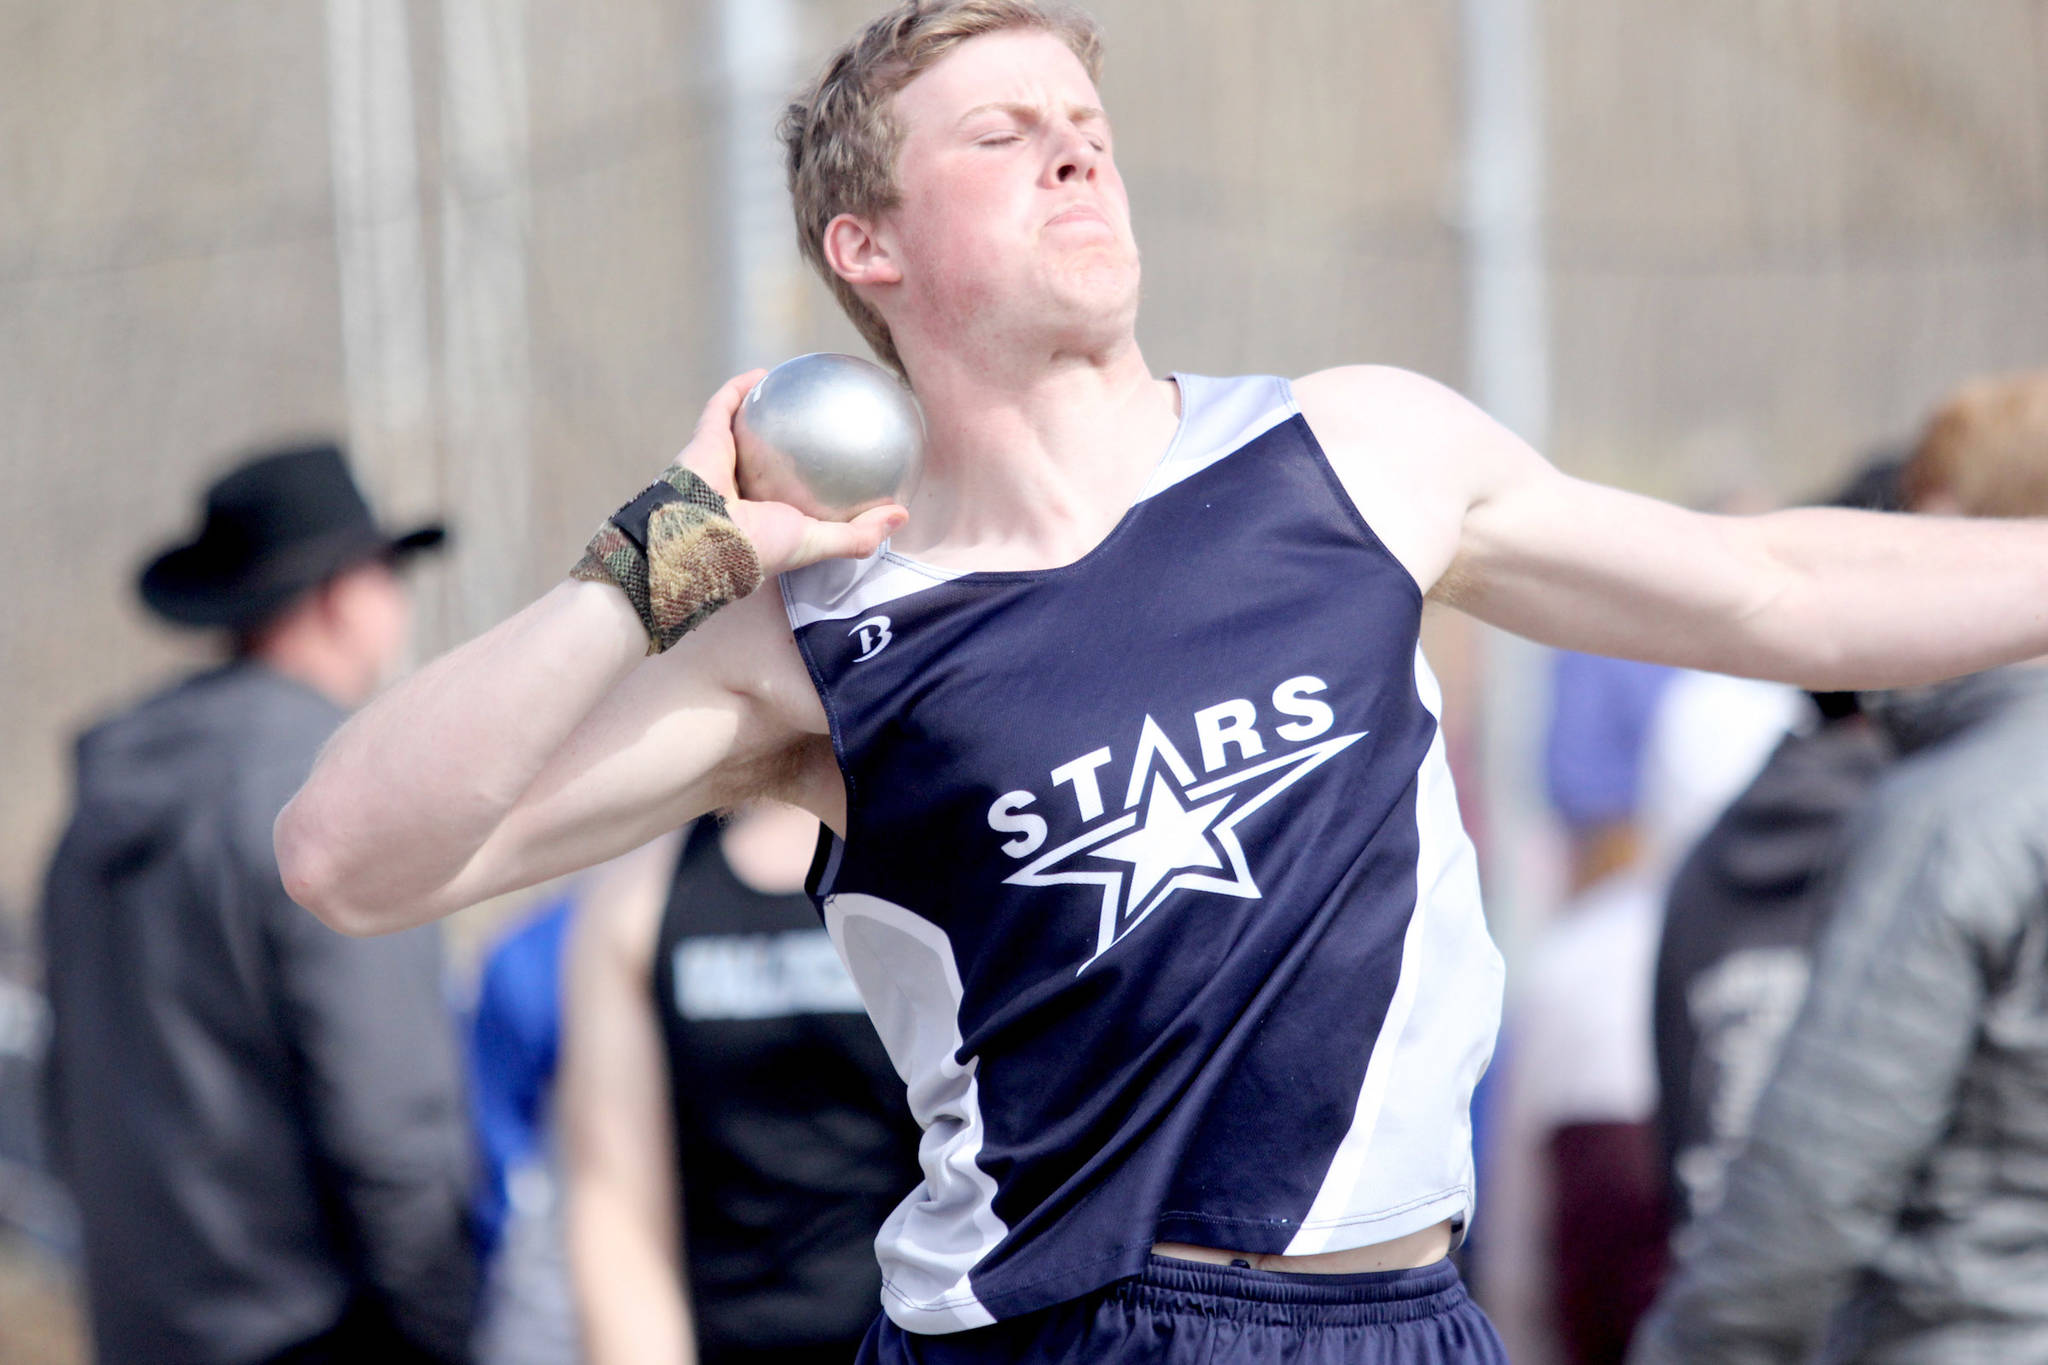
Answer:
x=1153 y=881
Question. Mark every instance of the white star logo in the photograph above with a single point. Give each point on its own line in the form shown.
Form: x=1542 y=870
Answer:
x=1171 y=838
x=1182 y=841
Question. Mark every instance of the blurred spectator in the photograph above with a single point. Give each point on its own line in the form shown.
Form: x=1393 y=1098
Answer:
x=24 y=1026
x=1581 y=1216
x=736 y=1133
x=1892 y=1201
x=514 y=1042
x=260 y=1120
x=1738 y=935
x=528 y=1316
x=1600 y=714
x=1744 y=911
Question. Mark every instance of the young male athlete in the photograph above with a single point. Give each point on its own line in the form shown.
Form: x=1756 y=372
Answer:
x=1149 y=869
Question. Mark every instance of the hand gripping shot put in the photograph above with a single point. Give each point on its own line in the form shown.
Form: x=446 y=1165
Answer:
x=1144 y=856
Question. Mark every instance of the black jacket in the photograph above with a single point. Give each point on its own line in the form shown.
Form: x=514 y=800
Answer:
x=1897 y=1165
x=1739 y=928
x=260 y=1119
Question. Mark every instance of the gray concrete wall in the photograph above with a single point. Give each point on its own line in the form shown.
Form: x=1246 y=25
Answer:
x=1778 y=230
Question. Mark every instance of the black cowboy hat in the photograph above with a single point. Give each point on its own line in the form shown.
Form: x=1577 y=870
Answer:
x=276 y=525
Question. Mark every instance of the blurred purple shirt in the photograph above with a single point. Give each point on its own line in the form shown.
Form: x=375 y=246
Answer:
x=1600 y=713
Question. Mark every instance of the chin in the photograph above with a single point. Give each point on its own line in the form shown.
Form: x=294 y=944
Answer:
x=1099 y=295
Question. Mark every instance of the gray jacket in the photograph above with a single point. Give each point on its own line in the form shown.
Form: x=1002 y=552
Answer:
x=1892 y=1203
x=261 y=1120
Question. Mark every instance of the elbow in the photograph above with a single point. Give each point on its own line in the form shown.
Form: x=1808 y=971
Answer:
x=314 y=873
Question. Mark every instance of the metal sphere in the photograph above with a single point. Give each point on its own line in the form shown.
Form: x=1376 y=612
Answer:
x=832 y=435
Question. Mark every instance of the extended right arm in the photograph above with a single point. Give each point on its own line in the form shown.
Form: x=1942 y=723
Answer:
x=551 y=742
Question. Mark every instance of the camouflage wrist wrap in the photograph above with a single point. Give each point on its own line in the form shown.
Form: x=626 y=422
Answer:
x=676 y=555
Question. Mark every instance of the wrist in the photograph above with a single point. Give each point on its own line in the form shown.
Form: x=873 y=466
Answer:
x=675 y=553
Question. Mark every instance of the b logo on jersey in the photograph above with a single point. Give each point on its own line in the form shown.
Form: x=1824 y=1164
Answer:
x=1176 y=830
x=872 y=635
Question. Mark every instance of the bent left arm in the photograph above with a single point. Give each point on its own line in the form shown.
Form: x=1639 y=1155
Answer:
x=1825 y=598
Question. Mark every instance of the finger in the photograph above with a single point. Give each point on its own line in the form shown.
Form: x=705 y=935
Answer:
x=886 y=520
x=856 y=539
x=718 y=413
x=711 y=452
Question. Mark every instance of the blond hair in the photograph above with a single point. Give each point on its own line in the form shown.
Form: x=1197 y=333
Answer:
x=1986 y=449
x=841 y=138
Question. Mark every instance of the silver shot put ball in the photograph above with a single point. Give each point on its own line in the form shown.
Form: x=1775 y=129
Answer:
x=832 y=435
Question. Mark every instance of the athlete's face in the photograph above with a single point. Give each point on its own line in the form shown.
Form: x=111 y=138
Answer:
x=1012 y=213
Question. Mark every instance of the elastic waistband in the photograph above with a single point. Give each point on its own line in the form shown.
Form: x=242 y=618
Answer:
x=1243 y=1294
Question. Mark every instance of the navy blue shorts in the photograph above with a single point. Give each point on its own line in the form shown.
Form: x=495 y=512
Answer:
x=1191 y=1313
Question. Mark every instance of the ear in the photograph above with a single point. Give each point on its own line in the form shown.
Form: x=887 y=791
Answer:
x=859 y=252
x=1938 y=502
x=329 y=600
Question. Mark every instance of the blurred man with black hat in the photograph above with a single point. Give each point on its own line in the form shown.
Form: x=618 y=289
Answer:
x=260 y=1119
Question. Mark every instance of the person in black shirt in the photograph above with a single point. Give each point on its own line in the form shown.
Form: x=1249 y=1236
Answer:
x=735 y=1133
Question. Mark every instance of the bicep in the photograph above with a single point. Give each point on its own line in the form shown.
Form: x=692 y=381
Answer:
x=1487 y=525
x=1583 y=566
x=687 y=732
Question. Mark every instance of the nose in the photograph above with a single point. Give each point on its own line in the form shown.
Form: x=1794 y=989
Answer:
x=1077 y=157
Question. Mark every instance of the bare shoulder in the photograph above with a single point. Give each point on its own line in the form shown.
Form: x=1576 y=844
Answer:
x=1412 y=453
x=1380 y=401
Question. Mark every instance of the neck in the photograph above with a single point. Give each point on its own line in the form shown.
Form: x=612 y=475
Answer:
x=306 y=657
x=1030 y=464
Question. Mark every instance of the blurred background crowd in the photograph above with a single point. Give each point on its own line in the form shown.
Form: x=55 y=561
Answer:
x=1729 y=252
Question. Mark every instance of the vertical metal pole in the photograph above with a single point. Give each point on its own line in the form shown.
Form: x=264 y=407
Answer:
x=1508 y=307
x=486 y=218
x=1508 y=339
x=380 y=248
x=764 y=293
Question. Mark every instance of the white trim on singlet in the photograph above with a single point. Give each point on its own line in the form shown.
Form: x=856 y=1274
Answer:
x=1217 y=416
x=1405 y=1165
x=903 y=966
x=843 y=589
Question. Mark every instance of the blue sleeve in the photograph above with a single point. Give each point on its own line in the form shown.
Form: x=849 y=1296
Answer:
x=1600 y=716
x=514 y=1039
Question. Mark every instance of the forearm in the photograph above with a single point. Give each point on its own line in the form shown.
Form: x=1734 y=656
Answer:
x=1876 y=602
x=410 y=789
x=630 y=1295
